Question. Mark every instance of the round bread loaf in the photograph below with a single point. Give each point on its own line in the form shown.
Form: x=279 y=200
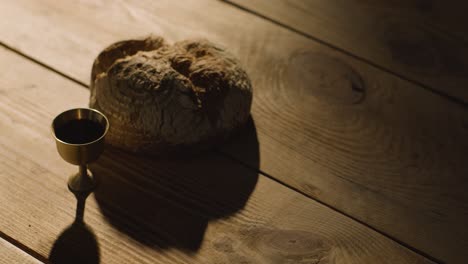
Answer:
x=163 y=98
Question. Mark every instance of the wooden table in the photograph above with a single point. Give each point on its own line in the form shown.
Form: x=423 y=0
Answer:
x=357 y=151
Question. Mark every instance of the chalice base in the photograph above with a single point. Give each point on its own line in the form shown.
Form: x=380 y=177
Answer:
x=79 y=183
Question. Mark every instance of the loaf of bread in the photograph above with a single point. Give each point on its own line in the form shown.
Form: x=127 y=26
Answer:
x=163 y=98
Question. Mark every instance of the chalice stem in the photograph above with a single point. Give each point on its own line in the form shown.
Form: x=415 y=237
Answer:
x=83 y=171
x=83 y=182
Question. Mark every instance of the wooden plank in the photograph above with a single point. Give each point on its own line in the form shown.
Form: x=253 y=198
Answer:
x=446 y=16
x=204 y=210
x=372 y=145
x=11 y=254
x=401 y=36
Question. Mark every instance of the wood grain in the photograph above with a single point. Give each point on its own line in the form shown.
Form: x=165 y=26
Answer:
x=11 y=254
x=445 y=16
x=145 y=209
x=363 y=141
x=403 y=37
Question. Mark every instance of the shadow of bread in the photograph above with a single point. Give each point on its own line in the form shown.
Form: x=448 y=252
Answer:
x=168 y=202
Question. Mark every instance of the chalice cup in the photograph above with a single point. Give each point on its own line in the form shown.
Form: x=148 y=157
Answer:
x=79 y=135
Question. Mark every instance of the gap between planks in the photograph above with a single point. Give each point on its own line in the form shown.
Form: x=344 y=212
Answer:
x=20 y=246
x=37 y=256
x=330 y=45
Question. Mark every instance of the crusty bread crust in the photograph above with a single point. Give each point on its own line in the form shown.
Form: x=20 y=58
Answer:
x=160 y=97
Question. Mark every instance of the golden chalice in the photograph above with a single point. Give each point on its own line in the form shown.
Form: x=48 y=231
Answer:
x=79 y=135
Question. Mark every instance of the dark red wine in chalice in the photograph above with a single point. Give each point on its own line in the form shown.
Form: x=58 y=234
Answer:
x=79 y=131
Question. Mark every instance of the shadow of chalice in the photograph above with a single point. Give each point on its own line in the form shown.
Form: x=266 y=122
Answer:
x=77 y=243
